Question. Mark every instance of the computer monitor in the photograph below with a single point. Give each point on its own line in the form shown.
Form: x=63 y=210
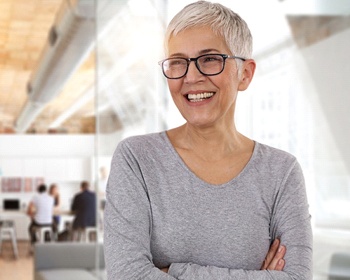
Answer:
x=11 y=204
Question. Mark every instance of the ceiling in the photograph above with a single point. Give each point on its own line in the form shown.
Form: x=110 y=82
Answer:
x=24 y=31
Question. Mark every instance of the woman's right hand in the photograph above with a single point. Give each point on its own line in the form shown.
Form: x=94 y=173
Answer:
x=274 y=258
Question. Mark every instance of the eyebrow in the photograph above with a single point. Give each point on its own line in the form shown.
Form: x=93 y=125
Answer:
x=205 y=51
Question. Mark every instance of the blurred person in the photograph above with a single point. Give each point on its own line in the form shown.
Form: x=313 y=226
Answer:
x=84 y=209
x=40 y=209
x=203 y=201
x=53 y=191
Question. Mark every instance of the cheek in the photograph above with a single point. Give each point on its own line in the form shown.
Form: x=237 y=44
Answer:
x=174 y=87
x=225 y=83
x=230 y=81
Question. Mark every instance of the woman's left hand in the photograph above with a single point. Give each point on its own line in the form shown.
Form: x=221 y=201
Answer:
x=274 y=258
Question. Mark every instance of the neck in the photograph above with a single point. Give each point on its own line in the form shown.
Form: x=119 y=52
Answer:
x=209 y=143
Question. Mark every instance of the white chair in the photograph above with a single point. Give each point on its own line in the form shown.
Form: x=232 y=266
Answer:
x=41 y=232
x=87 y=234
x=7 y=227
x=84 y=234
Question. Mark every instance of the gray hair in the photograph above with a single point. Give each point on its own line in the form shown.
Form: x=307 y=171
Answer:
x=223 y=21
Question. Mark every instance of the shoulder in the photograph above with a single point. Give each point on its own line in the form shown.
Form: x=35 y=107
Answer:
x=140 y=141
x=269 y=153
x=141 y=146
x=275 y=167
x=91 y=193
x=48 y=197
x=43 y=198
x=272 y=159
x=78 y=195
x=34 y=199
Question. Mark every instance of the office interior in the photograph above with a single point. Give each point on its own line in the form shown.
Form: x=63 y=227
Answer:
x=78 y=76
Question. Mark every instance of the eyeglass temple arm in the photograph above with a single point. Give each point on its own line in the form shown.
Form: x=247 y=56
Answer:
x=238 y=57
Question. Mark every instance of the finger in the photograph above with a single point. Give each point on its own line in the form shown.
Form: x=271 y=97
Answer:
x=280 y=265
x=278 y=256
x=270 y=254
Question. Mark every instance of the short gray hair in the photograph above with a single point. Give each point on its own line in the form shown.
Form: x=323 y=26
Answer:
x=222 y=20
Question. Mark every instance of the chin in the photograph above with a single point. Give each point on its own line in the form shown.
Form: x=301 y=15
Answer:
x=201 y=123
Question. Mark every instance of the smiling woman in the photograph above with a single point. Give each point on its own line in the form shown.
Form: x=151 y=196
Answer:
x=224 y=77
x=298 y=102
x=201 y=200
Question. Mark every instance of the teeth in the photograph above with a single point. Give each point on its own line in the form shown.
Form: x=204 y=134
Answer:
x=199 y=96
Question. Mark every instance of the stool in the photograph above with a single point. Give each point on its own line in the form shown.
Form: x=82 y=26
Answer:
x=83 y=234
x=87 y=232
x=41 y=231
x=8 y=227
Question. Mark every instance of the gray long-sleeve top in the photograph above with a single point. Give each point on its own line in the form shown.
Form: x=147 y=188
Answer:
x=159 y=213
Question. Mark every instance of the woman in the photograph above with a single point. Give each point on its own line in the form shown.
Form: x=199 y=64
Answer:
x=53 y=191
x=202 y=201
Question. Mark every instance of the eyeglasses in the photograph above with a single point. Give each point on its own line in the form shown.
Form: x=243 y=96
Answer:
x=207 y=64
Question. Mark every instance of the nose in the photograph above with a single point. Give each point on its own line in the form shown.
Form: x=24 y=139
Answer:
x=193 y=74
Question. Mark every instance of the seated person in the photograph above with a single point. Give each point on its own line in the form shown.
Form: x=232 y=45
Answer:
x=53 y=191
x=40 y=209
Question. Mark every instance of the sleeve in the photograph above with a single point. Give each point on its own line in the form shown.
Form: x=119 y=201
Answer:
x=127 y=222
x=31 y=207
x=74 y=204
x=290 y=221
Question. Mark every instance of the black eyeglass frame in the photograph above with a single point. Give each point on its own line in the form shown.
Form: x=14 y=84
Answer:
x=195 y=59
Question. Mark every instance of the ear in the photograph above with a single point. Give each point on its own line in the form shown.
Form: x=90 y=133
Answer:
x=248 y=69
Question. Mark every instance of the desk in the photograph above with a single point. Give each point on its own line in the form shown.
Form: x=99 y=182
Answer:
x=21 y=221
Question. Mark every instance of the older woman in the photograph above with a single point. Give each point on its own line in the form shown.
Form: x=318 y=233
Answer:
x=203 y=201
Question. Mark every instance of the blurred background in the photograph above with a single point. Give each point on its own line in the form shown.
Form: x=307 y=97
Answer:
x=78 y=76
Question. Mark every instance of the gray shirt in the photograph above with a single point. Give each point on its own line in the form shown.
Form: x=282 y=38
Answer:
x=159 y=213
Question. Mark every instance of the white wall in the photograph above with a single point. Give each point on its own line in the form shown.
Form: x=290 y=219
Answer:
x=329 y=66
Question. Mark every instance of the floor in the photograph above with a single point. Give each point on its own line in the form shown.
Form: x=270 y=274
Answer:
x=16 y=269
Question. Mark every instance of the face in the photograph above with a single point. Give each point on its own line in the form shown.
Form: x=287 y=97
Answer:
x=54 y=190
x=220 y=91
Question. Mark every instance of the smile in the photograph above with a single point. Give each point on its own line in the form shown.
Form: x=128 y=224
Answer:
x=200 y=96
